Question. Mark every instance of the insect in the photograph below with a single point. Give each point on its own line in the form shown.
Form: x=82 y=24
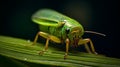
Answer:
x=59 y=28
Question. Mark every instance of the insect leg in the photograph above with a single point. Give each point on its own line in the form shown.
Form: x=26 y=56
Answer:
x=87 y=48
x=48 y=37
x=67 y=48
x=46 y=47
x=84 y=42
x=92 y=46
x=47 y=41
x=36 y=37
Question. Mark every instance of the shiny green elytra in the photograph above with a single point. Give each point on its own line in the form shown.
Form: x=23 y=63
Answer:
x=59 y=28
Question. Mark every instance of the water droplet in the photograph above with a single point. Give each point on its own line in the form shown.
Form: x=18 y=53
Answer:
x=28 y=41
x=25 y=58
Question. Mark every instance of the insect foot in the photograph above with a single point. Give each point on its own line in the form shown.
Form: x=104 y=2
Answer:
x=41 y=52
x=95 y=53
x=65 y=56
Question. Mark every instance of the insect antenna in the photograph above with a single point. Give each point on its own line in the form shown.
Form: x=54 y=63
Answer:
x=95 y=33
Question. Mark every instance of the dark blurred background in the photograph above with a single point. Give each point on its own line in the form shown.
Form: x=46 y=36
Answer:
x=96 y=15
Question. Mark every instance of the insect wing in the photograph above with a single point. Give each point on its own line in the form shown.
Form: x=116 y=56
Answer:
x=47 y=17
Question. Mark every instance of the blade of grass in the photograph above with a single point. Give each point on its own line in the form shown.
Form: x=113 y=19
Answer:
x=22 y=50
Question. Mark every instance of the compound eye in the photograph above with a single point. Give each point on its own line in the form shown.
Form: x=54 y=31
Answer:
x=67 y=30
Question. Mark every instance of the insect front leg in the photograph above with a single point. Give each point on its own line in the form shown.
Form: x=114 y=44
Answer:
x=67 y=48
x=84 y=42
x=48 y=37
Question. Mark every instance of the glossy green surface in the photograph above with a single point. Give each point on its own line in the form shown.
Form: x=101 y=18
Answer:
x=56 y=24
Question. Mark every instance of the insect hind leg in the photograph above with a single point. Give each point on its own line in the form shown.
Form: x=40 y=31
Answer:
x=48 y=37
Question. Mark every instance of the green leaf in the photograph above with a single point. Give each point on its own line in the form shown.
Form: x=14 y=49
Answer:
x=23 y=51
